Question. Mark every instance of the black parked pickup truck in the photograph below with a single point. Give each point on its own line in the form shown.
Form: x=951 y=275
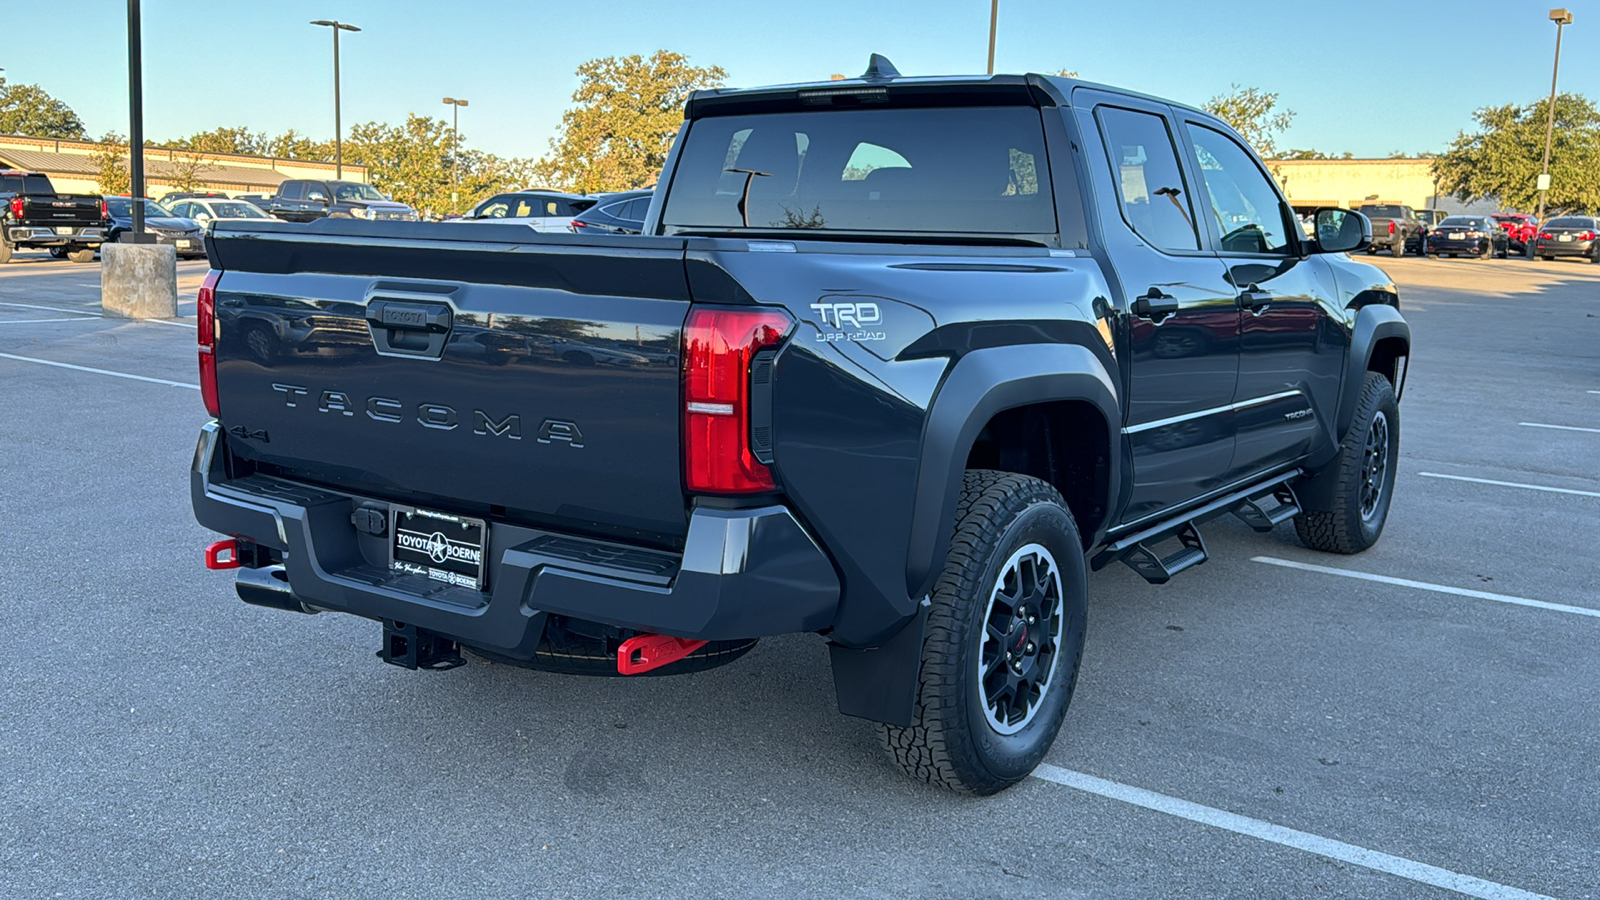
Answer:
x=33 y=215
x=303 y=200
x=896 y=361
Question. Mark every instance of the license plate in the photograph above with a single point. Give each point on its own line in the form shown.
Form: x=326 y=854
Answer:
x=1456 y=236
x=62 y=229
x=185 y=245
x=1564 y=237
x=439 y=546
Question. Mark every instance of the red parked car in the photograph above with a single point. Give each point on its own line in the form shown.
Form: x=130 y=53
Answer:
x=1521 y=228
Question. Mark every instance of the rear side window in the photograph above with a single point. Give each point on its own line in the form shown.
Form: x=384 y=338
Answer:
x=1155 y=201
x=979 y=170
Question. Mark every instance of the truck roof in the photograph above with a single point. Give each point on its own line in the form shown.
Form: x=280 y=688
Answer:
x=874 y=85
x=18 y=172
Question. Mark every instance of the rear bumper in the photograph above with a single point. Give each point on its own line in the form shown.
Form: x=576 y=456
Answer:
x=1564 y=248
x=47 y=236
x=743 y=573
x=1471 y=245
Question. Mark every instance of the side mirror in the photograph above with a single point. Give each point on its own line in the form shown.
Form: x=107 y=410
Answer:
x=1341 y=230
x=318 y=197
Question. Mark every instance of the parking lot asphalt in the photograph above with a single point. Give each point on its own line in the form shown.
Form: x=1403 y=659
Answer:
x=1252 y=729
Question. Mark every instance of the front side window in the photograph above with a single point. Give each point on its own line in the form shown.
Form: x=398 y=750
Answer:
x=348 y=191
x=294 y=190
x=1155 y=201
x=965 y=170
x=1247 y=210
x=494 y=208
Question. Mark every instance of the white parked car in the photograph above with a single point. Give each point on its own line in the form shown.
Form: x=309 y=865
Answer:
x=550 y=211
x=213 y=209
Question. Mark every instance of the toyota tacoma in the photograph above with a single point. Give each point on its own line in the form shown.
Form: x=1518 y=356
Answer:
x=896 y=361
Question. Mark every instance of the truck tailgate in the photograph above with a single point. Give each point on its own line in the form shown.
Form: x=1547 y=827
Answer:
x=61 y=209
x=485 y=370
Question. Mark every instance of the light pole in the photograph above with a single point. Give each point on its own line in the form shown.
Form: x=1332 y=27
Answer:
x=455 y=152
x=994 y=20
x=1562 y=18
x=338 y=128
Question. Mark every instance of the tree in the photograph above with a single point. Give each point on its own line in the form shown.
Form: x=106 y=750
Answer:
x=294 y=145
x=237 y=139
x=111 y=165
x=187 y=169
x=413 y=163
x=28 y=109
x=1254 y=114
x=1314 y=154
x=1501 y=160
x=627 y=110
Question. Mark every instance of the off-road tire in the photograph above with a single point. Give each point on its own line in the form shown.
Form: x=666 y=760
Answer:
x=1341 y=527
x=5 y=253
x=85 y=255
x=58 y=253
x=950 y=741
x=1398 y=248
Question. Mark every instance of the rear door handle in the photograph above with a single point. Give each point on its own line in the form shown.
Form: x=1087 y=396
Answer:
x=1155 y=305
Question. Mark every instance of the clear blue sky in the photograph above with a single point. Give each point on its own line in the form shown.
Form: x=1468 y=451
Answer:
x=1354 y=72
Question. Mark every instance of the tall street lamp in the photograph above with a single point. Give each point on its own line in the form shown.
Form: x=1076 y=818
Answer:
x=1562 y=18
x=455 y=152
x=338 y=128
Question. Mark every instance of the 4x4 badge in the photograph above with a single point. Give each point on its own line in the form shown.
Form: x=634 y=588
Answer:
x=239 y=431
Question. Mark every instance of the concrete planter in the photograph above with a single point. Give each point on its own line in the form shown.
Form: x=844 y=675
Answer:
x=139 y=281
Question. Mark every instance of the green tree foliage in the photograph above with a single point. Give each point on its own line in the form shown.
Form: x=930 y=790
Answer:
x=1254 y=114
x=188 y=171
x=626 y=111
x=1314 y=154
x=111 y=165
x=1501 y=160
x=222 y=140
x=27 y=109
x=294 y=145
x=413 y=163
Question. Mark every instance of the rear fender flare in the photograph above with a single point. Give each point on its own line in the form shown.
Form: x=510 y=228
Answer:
x=983 y=383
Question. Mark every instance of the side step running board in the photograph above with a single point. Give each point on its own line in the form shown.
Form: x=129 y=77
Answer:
x=1160 y=569
x=1261 y=506
x=1266 y=510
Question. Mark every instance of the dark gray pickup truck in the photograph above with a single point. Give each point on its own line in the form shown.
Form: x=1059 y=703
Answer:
x=897 y=361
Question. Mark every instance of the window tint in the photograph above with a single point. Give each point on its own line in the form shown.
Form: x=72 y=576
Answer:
x=1243 y=202
x=182 y=210
x=962 y=170
x=636 y=209
x=1154 y=199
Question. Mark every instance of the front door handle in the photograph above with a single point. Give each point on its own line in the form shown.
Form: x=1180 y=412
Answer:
x=1155 y=305
x=1255 y=299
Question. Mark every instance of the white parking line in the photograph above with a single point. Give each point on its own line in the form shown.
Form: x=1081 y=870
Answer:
x=1425 y=586
x=32 y=321
x=1285 y=837
x=1530 y=487
x=81 y=312
x=1559 y=427
x=62 y=365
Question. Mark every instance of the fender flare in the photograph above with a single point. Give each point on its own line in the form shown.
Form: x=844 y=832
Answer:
x=983 y=383
x=1374 y=322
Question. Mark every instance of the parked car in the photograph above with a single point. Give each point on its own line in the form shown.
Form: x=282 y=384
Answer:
x=34 y=216
x=903 y=397
x=1569 y=236
x=172 y=197
x=217 y=210
x=548 y=211
x=1395 y=227
x=185 y=235
x=1520 y=229
x=302 y=200
x=1469 y=236
x=620 y=213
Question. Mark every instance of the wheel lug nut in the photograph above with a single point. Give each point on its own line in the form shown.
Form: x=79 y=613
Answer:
x=1031 y=647
x=1032 y=619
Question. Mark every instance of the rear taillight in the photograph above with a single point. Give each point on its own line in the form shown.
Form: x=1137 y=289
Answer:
x=1391 y=228
x=719 y=346
x=1545 y=236
x=105 y=211
x=1586 y=236
x=205 y=308
x=576 y=225
x=16 y=207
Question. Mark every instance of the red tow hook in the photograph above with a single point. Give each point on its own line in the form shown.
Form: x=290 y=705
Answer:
x=223 y=555
x=640 y=654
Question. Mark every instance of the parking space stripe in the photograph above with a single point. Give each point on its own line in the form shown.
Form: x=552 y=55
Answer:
x=62 y=365
x=33 y=321
x=1286 y=837
x=81 y=312
x=1559 y=427
x=94 y=315
x=1425 y=586
x=1515 y=484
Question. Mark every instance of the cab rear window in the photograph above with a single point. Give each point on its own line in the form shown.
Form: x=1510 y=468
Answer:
x=978 y=170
